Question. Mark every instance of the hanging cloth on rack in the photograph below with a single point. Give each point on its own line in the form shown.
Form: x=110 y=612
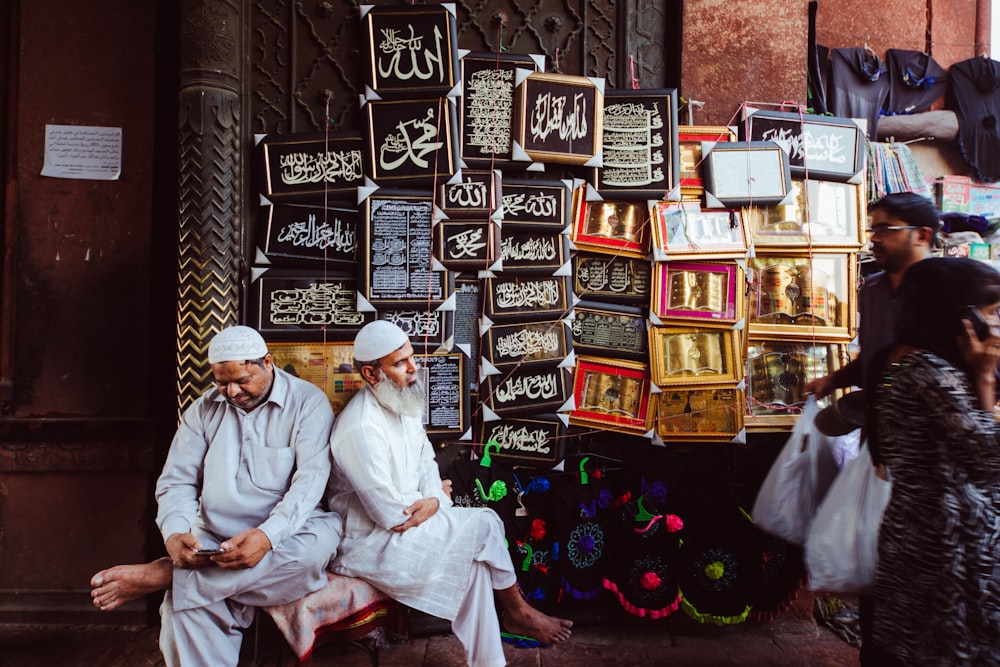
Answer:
x=915 y=81
x=858 y=86
x=975 y=92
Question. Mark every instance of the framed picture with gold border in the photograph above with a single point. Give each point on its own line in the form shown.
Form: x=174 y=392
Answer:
x=610 y=227
x=689 y=141
x=329 y=366
x=611 y=395
x=822 y=214
x=803 y=296
x=685 y=230
x=699 y=413
x=558 y=117
x=411 y=50
x=699 y=291
x=693 y=356
x=777 y=373
x=412 y=142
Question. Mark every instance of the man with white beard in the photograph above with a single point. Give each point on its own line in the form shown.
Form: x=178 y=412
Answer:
x=401 y=531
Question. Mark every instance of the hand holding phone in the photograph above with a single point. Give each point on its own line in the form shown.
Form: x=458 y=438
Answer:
x=979 y=324
x=209 y=552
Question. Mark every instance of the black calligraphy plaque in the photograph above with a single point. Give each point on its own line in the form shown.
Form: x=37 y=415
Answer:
x=412 y=142
x=818 y=147
x=292 y=233
x=429 y=330
x=447 y=412
x=536 y=441
x=471 y=195
x=527 y=344
x=536 y=205
x=610 y=330
x=520 y=298
x=533 y=252
x=398 y=267
x=311 y=166
x=615 y=278
x=468 y=309
x=466 y=245
x=295 y=305
x=527 y=390
x=487 y=106
x=410 y=49
x=558 y=118
x=641 y=155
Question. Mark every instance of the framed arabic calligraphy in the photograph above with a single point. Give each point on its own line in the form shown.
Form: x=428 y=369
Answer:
x=329 y=366
x=684 y=230
x=714 y=413
x=558 y=118
x=612 y=395
x=803 y=296
x=410 y=49
x=536 y=205
x=526 y=390
x=610 y=227
x=519 y=298
x=302 y=305
x=610 y=330
x=745 y=173
x=822 y=214
x=292 y=234
x=466 y=245
x=689 y=140
x=474 y=196
x=640 y=151
x=699 y=292
x=446 y=414
x=537 y=441
x=398 y=268
x=429 y=331
x=412 y=142
x=487 y=106
x=624 y=279
x=533 y=252
x=694 y=356
x=526 y=344
x=311 y=167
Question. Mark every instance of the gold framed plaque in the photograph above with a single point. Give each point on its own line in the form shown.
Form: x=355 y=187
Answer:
x=693 y=356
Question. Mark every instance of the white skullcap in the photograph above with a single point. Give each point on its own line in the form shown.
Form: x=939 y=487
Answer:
x=236 y=344
x=377 y=339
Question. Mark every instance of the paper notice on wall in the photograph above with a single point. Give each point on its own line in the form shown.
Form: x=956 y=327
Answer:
x=82 y=151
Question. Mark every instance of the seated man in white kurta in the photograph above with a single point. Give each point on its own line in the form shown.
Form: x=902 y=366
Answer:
x=401 y=531
x=246 y=472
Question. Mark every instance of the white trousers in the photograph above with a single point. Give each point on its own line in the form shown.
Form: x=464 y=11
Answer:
x=476 y=625
x=204 y=613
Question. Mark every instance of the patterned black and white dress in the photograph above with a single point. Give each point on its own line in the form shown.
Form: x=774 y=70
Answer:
x=938 y=590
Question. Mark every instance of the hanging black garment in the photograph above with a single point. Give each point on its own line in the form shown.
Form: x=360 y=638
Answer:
x=975 y=93
x=858 y=85
x=915 y=81
x=819 y=57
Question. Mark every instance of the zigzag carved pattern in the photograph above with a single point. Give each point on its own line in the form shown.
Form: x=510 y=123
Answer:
x=210 y=237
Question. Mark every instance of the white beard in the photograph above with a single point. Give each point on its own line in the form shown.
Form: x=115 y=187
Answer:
x=409 y=401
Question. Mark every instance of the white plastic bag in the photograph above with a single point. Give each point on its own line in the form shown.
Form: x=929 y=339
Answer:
x=842 y=548
x=797 y=481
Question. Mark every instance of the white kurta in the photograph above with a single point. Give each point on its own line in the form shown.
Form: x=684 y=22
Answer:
x=383 y=463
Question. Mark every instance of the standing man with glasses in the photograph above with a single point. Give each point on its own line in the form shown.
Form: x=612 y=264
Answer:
x=903 y=232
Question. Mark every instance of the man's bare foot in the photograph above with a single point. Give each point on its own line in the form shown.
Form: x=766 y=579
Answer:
x=123 y=583
x=527 y=621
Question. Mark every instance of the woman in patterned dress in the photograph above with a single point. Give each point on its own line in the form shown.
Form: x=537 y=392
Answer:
x=932 y=427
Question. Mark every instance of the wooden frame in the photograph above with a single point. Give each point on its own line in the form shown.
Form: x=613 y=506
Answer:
x=610 y=227
x=741 y=173
x=430 y=331
x=536 y=441
x=506 y=346
x=610 y=330
x=487 y=106
x=690 y=139
x=533 y=252
x=525 y=391
x=803 y=296
x=777 y=373
x=398 y=268
x=413 y=141
x=311 y=166
x=446 y=414
x=536 y=205
x=818 y=147
x=521 y=298
x=821 y=214
x=640 y=153
x=411 y=50
x=693 y=356
x=611 y=395
x=474 y=196
x=291 y=234
x=466 y=245
x=302 y=305
x=699 y=414
x=685 y=230
x=329 y=366
x=558 y=118
x=623 y=279
x=699 y=292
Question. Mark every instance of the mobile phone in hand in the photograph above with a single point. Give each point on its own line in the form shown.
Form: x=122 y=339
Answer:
x=209 y=552
x=979 y=324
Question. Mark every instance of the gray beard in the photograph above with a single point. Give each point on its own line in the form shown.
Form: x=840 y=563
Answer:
x=409 y=401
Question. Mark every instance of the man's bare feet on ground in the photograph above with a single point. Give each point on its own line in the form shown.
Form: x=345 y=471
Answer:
x=529 y=622
x=123 y=583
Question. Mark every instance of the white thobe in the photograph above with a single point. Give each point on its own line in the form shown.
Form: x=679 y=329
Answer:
x=446 y=566
x=227 y=471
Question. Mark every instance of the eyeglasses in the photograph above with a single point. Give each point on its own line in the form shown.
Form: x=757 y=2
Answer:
x=882 y=230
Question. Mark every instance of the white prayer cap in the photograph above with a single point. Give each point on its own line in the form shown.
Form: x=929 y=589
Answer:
x=236 y=344
x=377 y=339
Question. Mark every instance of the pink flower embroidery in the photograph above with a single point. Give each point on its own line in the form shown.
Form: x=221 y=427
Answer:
x=674 y=523
x=538 y=529
x=650 y=581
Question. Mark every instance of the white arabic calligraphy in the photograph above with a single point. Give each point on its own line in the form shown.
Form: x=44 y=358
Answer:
x=300 y=168
x=308 y=234
x=532 y=387
x=395 y=46
x=551 y=115
x=412 y=142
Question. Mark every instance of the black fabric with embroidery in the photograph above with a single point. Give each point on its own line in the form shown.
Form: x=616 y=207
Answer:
x=916 y=81
x=858 y=86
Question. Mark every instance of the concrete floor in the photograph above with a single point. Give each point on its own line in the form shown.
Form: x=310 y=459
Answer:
x=793 y=638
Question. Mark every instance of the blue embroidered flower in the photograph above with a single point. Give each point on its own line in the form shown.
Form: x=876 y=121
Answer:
x=586 y=545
